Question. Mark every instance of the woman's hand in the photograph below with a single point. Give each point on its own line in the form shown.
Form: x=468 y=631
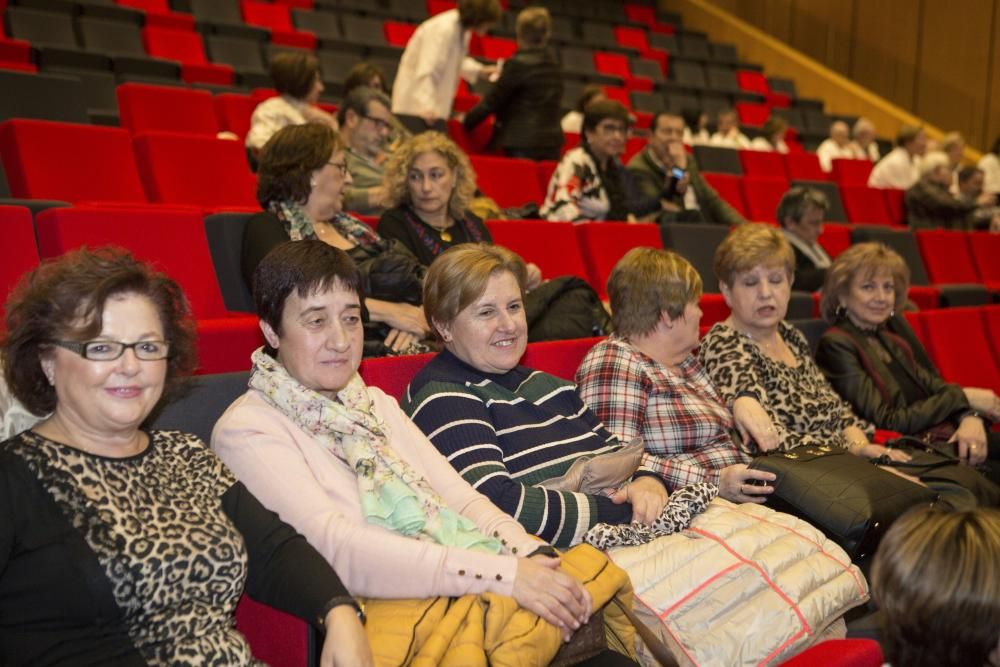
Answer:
x=870 y=451
x=971 y=438
x=736 y=486
x=555 y=596
x=648 y=497
x=534 y=277
x=398 y=341
x=345 y=644
x=899 y=473
x=754 y=424
x=402 y=316
x=984 y=401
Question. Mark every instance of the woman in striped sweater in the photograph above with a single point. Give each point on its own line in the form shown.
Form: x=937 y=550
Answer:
x=504 y=427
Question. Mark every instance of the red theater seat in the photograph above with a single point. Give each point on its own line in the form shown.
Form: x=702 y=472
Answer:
x=616 y=64
x=839 y=653
x=509 y=181
x=393 y=374
x=762 y=196
x=803 y=166
x=276 y=638
x=985 y=250
x=196 y=171
x=946 y=256
x=753 y=113
x=957 y=341
x=495 y=48
x=729 y=188
x=991 y=319
x=894 y=204
x=713 y=309
x=18 y=253
x=558 y=357
x=174 y=241
x=602 y=244
x=233 y=112
x=398 y=33
x=276 y=18
x=159 y=14
x=864 y=204
x=545 y=170
x=187 y=48
x=755 y=82
x=763 y=163
x=851 y=172
x=835 y=239
x=69 y=162
x=144 y=107
x=475 y=142
x=550 y=245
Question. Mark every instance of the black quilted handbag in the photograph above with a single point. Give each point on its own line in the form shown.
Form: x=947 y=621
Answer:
x=847 y=497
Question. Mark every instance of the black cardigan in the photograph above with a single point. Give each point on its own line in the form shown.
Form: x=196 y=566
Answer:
x=849 y=362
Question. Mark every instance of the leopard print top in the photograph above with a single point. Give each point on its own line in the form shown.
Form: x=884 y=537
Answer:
x=175 y=564
x=801 y=403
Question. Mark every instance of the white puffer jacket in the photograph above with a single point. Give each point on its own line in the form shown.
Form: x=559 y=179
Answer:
x=743 y=585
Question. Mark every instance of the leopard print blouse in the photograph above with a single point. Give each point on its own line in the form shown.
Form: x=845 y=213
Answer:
x=175 y=564
x=801 y=403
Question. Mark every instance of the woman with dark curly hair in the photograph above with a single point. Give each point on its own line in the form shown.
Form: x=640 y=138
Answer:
x=301 y=182
x=124 y=546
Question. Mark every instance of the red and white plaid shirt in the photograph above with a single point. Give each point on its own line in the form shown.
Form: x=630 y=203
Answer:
x=680 y=416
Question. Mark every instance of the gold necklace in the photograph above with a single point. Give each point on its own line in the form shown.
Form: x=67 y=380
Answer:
x=442 y=232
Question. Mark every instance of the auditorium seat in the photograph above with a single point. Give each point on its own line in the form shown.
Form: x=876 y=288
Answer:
x=558 y=357
x=864 y=204
x=242 y=54
x=991 y=320
x=195 y=170
x=762 y=163
x=509 y=181
x=276 y=638
x=187 y=48
x=325 y=25
x=52 y=36
x=839 y=653
x=803 y=165
x=753 y=114
x=224 y=233
x=602 y=244
x=276 y=19
x=617 y=64
x=946 y=256
x=753 y=82
x=44 y=96
x=903 y=242
x=729 y=188
x=550 y=245
x=475 y=142
x=233 y=112
x=718 y=159
x=18 y=253
x=122 y=42
x=713 y=309
x=393 y=374
x=545 y=170
x=68 y=162
x=835 y=212
x=958 y=343
x=398 y=33
x=894 y=205
x=159 y=15
x=174 y=240
x=835 y=239
x=144 y=107
x=985 y=250
x=696 y=242
x=762 y=195
x=851 y=172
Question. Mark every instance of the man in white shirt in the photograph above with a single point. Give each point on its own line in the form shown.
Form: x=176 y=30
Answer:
x=434 y=58
x=864 y=144
x=727 y=133
x=800 y=213
x=838 y=145
x=900 y=169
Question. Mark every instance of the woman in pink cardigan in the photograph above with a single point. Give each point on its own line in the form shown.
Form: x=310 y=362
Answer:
x=341 y=463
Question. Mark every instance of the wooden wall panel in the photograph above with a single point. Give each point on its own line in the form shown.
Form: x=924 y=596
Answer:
x=886 y=41
x=822 y=30
x=992 y=121
x=953 y=66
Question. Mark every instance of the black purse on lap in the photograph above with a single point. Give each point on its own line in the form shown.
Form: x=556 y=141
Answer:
x=851 y=500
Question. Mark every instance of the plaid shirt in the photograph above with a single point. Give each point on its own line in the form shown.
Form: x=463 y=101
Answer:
x=680 y=416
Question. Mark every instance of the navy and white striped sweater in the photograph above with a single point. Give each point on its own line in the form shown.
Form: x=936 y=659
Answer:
x=505 y=433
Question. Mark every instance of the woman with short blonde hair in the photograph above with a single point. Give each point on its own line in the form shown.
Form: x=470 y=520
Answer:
x=646 y=283
x=748 y=246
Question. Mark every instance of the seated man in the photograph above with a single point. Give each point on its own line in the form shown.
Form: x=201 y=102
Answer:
x=986 y=215
x=728 y=134
x=800 y=213
x=664 y=160
x=366 y=123
x=837 y=145
x=864 y=144
x=929 y=204
x=899 y=169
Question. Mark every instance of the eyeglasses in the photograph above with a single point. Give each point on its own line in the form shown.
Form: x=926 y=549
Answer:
x=379 y=123
x=109 y=350
x=612 y=128
x=342 y=166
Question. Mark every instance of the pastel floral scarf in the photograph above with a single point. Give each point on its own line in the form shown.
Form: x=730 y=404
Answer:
x=299 y=226
x=393 y=494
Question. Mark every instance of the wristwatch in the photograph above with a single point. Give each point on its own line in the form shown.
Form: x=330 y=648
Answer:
x=338 y=601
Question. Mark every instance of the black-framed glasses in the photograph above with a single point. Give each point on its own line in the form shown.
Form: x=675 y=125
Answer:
x=110 y=350
x=342 y=166
x=380 y=124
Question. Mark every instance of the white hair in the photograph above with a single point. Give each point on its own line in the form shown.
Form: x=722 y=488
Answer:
x=932 y=160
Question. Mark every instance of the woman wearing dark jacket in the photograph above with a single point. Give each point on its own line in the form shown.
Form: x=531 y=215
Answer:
x=527 y=97
x=872 y=358
x=302 y=178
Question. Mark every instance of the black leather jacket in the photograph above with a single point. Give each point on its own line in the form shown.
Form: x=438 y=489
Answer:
x=526 y=100
x=850 y=363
